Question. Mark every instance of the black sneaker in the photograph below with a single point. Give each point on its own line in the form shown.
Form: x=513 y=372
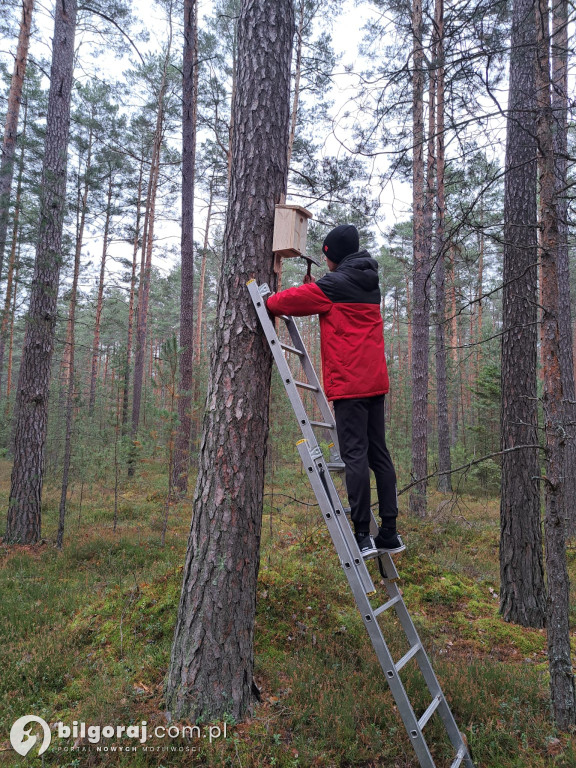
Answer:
x=388 y=540
x=365 y=544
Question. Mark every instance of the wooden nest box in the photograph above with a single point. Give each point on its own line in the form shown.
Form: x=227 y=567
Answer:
x=290 y=230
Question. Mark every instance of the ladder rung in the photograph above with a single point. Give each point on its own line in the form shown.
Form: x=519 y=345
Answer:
x=460 y=755
x=322 y=424
x=304 y=385
x=407 y=656
x=429 y=712
x=336 y=466
x=288 y=348
x=387 y=605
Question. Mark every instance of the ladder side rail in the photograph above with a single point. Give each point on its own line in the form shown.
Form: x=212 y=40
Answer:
x=427 y=671
x=332 y=510
x=395 y=683
x=359 y=592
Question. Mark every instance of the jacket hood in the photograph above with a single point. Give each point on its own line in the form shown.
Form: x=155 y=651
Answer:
x=361 y=268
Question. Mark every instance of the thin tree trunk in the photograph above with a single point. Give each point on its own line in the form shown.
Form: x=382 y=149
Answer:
x=125 y=394
x=24 y=507
x=11 y=340
x=83 y=208
x=181 y=454
x=212 y=656
x=99 y=300
x=444 y=461
x=558 y=605
x=201 y=287
x=69 y=350
x=11 y=125
x=421 y=278
x=198 y=336
x=453 y=344
x=479 y=292
x=147 y=247
x=522 y=590
x=70 y=342
x=12 y=261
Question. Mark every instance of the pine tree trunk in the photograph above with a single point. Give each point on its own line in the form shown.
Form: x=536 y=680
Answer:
x=454 y=427
x=24 y=510
x=99 y=301
x=421 y=279
x=81 y=223
x=560 y=112
x=522 y=591
x=69 y=408
x=444 y=461
x=212 y=656
x=67 y=365
x=181 y=452
x=11 y=340
x=11 y=125
x=201 y=287
x=12 y=261
x=131 y=301
x=558 y=605
x=146 y=265
x=198 y=356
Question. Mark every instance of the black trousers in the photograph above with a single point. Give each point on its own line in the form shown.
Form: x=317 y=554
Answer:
x=361 y=434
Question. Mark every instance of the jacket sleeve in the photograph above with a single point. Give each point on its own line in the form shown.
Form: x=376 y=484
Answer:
x=300 y=301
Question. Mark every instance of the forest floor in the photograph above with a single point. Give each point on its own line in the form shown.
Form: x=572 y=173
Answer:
x=85 y=636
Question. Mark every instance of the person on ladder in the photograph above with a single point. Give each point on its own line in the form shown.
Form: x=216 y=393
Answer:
x=347 y=300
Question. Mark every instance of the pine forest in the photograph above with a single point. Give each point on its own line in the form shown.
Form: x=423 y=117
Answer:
x=171 y=589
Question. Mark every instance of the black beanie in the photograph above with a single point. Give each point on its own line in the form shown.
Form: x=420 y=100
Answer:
x=341 y=242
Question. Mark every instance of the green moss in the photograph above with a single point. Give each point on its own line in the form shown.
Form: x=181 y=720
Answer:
x=498 y=632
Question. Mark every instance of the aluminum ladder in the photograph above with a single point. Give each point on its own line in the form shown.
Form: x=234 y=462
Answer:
x=352 y=562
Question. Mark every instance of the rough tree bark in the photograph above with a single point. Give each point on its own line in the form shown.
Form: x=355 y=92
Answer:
x=211 y=666
x=11 y=125
x=421 y=277
x=558 y=604
x=181 y=456
x=24 y=507
x=522 y=590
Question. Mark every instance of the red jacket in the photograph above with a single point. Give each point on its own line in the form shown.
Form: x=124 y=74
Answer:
x=351 y=329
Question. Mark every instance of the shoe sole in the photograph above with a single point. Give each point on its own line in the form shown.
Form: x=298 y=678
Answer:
x=368 y=553
x=391 y=550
